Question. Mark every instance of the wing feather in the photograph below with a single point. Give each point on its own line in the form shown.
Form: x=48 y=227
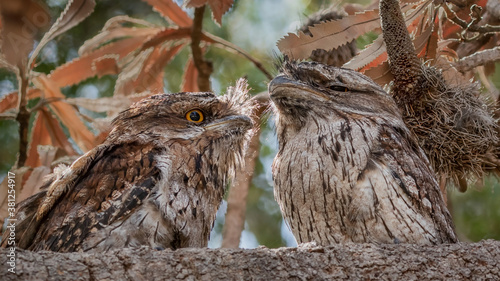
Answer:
x=102 y=187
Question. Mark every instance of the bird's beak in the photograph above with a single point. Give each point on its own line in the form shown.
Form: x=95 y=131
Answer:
x=283 y=87
x=231 y=123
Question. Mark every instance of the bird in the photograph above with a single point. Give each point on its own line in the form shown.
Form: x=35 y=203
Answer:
x=156 y=181
x=347 y=169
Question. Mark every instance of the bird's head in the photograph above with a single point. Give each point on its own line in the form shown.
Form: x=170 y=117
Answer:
x=201 y=120
x=313 y=92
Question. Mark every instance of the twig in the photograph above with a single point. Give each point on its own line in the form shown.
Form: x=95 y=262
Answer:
x=204 y=68
x=473 y=26
x=230 y=46
x=43 y=102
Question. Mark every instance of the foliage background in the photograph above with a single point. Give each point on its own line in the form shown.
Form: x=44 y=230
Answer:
x=254 y=26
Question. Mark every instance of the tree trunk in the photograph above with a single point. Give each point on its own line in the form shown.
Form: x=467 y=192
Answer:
x=461 y=261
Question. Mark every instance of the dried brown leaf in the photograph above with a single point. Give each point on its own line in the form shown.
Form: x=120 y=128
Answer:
x=114 y=29
x=171 y=12
x=49 y=154
x=106 y=65
x=367 y=56
x=83 y=67
x=39 y=135
x=421 y=42
x=66 y=113
x=432 y=46
x=10 y=100
x=190 y=79
x=329 y=35
x=34 y=182
x=145 y=72
x=332 y=34
x=381 y=74
x=46 y=131
x=74 y=12
x=22 y=20
x=102 y=104
x=16 y=182
x=218 y=7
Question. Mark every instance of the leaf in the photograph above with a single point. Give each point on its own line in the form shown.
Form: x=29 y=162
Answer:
x=10 y=100
x=74 y=12
x=329 y=35
x=66 y=113
x=190 y=79
x=367 y=55
x=114 y=29
x=380 y=59
x=429 y=51
x=171 y=11
x=101 y=104
x=332 y=34
x=375 y=54
x=46 y=131
x=218 y=7
x=49 y=154
x=145 y=72
x=4 y=189
x=22 y=20
x=381 y=74
x=34 y=182
x=83 y=67
x=106 y=65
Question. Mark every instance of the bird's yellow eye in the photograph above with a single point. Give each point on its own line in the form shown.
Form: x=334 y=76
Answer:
x=194 y=115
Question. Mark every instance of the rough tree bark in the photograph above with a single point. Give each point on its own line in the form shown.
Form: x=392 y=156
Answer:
x=461 y=261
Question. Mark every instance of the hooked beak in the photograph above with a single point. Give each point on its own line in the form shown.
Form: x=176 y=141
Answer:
x=283 y=87
x=231 y=123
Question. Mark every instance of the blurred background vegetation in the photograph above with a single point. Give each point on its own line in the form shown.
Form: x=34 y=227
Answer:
x=254 y=26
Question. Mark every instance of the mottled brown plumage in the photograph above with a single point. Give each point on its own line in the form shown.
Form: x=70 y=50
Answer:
x=157 y=180
x=348 y=169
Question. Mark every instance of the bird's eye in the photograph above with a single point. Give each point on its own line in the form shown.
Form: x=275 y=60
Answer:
x=338 y=88
x=194 y=115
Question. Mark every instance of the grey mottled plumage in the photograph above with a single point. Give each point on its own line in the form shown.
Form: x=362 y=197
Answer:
x=348 y=169
x=157 y=180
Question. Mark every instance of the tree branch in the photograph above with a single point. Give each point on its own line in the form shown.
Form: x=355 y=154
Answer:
x=23 y=117
x=461 y=261
x=480 y=58
x=204 y=68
